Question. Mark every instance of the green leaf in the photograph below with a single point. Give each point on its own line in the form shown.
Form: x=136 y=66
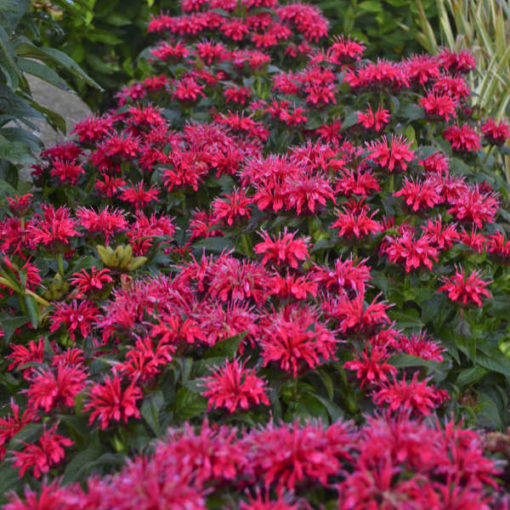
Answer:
x=494 y=363
x=33 y=310
x=15 y=152
x=43 y=72
x=188 y=404
x=81 y=463
x=470 y=376
x=8 y=59
x=215 y=244
x=226 y=348
x=150 y=410
x=10 y=324
x=327 y=381
x=11 y=12
x=406 y=360
x=56 y=57
x=16 y=105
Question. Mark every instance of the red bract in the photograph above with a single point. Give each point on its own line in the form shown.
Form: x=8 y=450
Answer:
x=394 y=157
x=48 y=451
x=496 y=134
x=110 y=403
x=466 y=290
x=53 y=388
x=94 y=281
x=463 y=139
x=288 y=455
x=75 y=315
x=415 y=396
x=376 y=121
x=282 y=250
x=235 y=387
x=372 y=367
x=295 y=339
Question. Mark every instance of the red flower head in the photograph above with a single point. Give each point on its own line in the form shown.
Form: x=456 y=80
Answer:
x=52 y=388
x=283 y=250
x=462 y=139
x=296 y=339
x=372 y=368
x=439 y=106
x=393 y=157
x=48 y=451
x=496 y=134
x=414 y=396
x=92 y=282
x=76 y=315
x=466 y=290
x=109 y=402
x=231 y=207
x=235 y=387
x=375 y=121
x=19 y=205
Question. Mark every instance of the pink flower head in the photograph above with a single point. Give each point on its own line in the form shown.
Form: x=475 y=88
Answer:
x=109 y=402
x=394 y=157
x=91 y=282
x=466 y=290
x=234 y=387
x=48 y=451
x=462 y=139
x=282 y=250
x=416 y=396
x=496 y=134
x=375 y=121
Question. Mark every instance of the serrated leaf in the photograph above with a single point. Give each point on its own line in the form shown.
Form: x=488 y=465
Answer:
x=189 y=404
x=150 y=409
x=470 y=376
x=226 y=348
x=81 y=463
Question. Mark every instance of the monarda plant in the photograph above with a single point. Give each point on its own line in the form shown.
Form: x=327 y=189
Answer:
x=274 y=277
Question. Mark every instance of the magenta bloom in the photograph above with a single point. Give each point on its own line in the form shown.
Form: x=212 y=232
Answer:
x=466 y=290
x=235 y=387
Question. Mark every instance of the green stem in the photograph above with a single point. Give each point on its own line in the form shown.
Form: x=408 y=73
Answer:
x=60 y=262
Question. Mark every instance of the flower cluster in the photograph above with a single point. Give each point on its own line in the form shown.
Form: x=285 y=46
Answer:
x=261 y=232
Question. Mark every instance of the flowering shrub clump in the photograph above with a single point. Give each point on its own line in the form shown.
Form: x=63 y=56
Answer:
x=283 y=262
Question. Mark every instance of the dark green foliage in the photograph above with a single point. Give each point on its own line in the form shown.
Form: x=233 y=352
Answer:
x=388 y=26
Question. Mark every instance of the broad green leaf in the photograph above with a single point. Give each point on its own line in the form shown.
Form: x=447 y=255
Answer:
x=42 y=71
x=15 y=152
x=188 y=404
x=10 y=324
x=54 y=56
x=226 y=348
x=150 y=409
x=81 y=463
x=33 y=310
